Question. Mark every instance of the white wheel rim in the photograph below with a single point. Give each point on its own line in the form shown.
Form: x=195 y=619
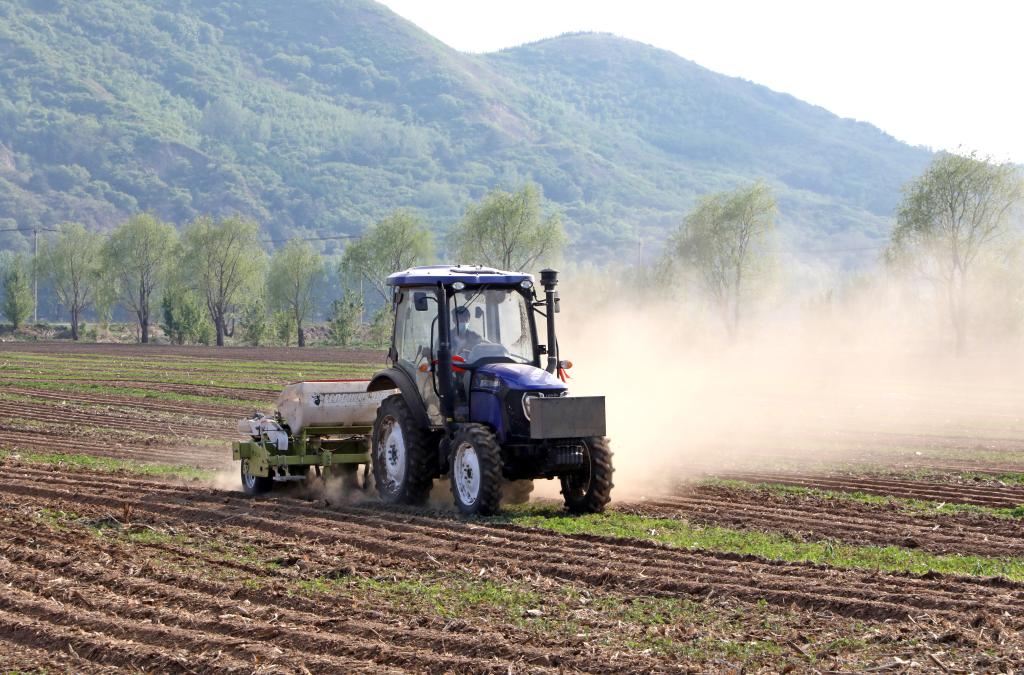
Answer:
x=394 y=454
x=466 y=472
x=248 y=479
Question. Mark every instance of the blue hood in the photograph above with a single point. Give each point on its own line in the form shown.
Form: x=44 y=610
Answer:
x=522 y=376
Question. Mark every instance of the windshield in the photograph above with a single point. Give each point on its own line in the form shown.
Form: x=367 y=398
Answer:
x=491 y=322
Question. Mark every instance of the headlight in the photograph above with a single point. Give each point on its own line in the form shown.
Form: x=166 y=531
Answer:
x=526 y=403
x=458 y=286
x=526 y=283
x=488 y=382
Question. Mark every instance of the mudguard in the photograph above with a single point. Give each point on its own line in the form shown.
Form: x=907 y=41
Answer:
x=393 y=378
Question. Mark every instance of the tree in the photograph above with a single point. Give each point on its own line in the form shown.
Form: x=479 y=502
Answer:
x=72 y=264
x=505 y=230
x=284 y=327
x=17 y=291
x=225 y=262
x=381 y=325
x=139 y=254
x=346 y=315
x=296 y=275
x=254 y=322
x=392 y=244
x=949 y=217
x=183 y=314
x=722 y=242
x=105 y=294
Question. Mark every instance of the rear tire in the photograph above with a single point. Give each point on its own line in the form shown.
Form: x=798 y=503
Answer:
x=255 y=485
x=590 y=490
x=476 y=470
x=401 y=454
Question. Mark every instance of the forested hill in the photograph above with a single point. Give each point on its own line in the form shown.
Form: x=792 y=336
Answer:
x=321 y=115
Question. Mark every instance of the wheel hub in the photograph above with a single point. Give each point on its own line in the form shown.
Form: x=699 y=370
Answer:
x=579 y=481
x=247 y=478
x=394 y=453
x=466 y=473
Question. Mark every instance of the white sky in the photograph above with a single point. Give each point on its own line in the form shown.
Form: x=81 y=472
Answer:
x=938 y=74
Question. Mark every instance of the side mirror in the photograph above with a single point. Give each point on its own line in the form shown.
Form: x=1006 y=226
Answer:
x=558 y=304
x=479 y=312
x=419 y=300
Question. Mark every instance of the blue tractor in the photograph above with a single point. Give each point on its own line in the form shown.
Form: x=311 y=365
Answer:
x=479 y=398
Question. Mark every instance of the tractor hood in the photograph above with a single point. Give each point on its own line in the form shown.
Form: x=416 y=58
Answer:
x=523 y=377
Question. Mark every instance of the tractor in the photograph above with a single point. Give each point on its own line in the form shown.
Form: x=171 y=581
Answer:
x=479 y=398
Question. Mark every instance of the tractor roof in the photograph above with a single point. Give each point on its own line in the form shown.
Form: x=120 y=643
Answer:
x=446 y=274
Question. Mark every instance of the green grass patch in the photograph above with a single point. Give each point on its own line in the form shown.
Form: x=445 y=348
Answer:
x=137 y=392
x=194 y=370
x=449 y=598
x=110 y=465
x=55 y=518
x=637 y=622
x=149 y=536
x=1010 y=478
x=906 y=505
x=769 y=545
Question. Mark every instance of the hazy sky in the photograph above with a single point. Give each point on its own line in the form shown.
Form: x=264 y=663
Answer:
x=939 y=74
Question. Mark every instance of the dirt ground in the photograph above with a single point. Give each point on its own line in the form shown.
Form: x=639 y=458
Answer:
x=110 y=570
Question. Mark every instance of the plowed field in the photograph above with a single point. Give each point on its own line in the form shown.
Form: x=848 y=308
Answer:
x=122 y=549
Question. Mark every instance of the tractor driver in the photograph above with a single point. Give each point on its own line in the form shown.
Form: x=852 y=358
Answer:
x=463 y=338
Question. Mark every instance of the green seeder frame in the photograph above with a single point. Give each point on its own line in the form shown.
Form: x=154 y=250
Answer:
x=314 y=446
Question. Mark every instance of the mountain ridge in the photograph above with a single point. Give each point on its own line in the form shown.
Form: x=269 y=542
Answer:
x=323 y=116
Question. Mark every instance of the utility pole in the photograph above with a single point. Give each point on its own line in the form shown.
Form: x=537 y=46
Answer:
x=35 y=275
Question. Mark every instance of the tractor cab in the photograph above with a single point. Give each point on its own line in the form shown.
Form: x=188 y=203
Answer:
x=466 y=361
x=487 y=323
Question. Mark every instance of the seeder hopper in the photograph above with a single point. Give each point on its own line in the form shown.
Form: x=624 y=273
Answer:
x=323 y=426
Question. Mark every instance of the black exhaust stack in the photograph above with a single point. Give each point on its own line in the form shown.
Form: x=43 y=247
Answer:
x=549 y=279
x=444 y=357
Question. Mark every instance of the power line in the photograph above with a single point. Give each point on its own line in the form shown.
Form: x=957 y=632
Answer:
x=29 y=229
x=319 y=238
x=851 y=249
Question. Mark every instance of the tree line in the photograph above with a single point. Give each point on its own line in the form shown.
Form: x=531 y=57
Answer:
x=961 y=214
x=214 y=275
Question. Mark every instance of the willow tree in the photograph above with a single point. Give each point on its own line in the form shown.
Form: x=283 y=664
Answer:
x=293 y=282
x=507 y=230
x=139 y=256
x=72 y=264
x=722 y=242
x=396 y=242
x=16 y=297
x=224 y=261
x=950 y=216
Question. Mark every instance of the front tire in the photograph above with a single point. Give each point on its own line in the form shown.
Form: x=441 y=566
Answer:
x=400 y=453
x=590 y=490
x=255 y=485
x=476 y=471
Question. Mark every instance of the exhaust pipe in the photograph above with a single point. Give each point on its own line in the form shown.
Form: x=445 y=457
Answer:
x=549 y=279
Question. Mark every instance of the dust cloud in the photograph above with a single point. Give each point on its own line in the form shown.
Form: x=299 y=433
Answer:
x=226 y=479
x=852 y=371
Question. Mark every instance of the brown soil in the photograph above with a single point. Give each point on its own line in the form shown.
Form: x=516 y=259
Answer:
x=164 y=606
x=814 y=518
x=986 y=494
x=114 y=572
x=289 y=354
